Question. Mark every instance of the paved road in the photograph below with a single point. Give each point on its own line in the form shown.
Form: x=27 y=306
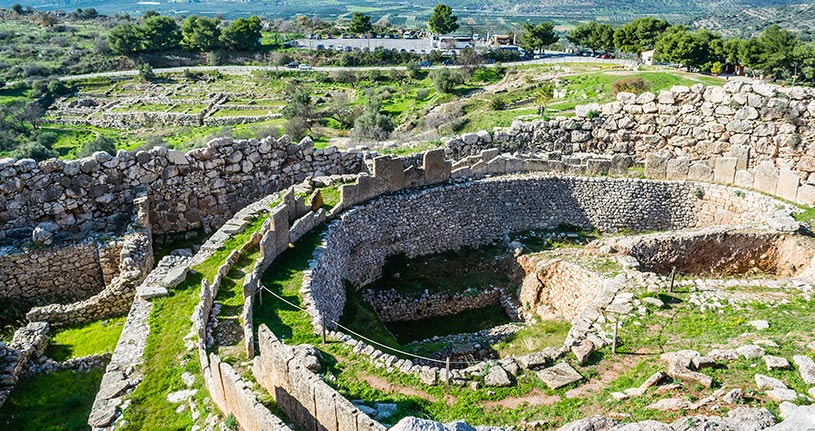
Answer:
x=244 y=70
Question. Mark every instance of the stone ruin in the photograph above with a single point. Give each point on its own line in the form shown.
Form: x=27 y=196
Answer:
x=710 y=158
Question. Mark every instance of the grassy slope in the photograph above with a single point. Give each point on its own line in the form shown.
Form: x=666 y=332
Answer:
x=58 y=401
x=87 y=339
x=165 y=353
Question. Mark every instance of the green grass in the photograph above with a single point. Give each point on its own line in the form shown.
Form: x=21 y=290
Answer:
x=92 y=338
x=413 y=149
x=58 y=401
x=165 y=355
x=534 y=338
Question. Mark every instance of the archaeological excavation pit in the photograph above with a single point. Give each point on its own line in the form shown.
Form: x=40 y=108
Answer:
x=721 y=251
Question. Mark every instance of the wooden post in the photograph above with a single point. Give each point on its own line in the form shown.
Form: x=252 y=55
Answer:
x=673 y=276
x=323 y=325
x=614 y=340
x=447 y=374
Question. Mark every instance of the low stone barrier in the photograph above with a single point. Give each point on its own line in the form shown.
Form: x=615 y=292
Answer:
x=28 y=342
x=306 y=399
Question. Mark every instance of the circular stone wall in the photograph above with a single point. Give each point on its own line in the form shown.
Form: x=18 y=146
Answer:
x=478 y=212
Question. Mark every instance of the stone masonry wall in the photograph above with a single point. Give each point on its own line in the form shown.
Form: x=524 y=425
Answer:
x=764 y=130
x=478 y=212
x=202 y=188
x=65 y=272
x=306 y=399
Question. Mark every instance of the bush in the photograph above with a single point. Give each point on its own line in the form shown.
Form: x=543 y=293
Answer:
x=498 y=103
x=632 y=84
x=413 y=69
x=99 y=144
x=716 y=68
x=446 y=80
x=34 y=150
x=47 y=139
x=146 y=72
x=296 y=128
x=422 y=94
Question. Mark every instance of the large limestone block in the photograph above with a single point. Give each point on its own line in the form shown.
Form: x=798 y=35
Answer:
x=677 y=168
x=725 y=170
x=700 y=171
x=765 y=177
x=560 y=375
x=436 y=169
x=391 y=171
x=656 y=166
x=787 y=187
x=806 y=195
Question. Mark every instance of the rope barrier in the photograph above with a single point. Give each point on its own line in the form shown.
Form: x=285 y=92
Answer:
x=412 y=355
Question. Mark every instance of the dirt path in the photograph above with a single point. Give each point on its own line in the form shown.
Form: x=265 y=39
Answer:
x=609 y=370
x=383 y=385
x=533 y=398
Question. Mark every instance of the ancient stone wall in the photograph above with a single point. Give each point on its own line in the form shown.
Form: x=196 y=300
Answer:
x=135 y=261
x=62 y=272
x=29 y=342
x=478 y=212
x=202 y=188
x=766 y=132
x=306 y=399
x=392 y=306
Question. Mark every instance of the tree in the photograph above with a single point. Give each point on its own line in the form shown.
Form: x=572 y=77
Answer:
x=17 y=8
x=243 y=34
x=373 y=124
x=593 y=35
x=543 y=95
x=442 y=21
x=538 y=37
x=360 y=23
x=446 y=80
x=680 y=46
x=146 y=72
x=160 y=33
x=126 y=39
x=200 y=33
x=805 y=59
x=639 y=35
x=777 y=46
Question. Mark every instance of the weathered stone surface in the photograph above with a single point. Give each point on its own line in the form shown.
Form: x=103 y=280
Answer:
x=806 y=367
x=559 y=375
x=498 y=377
x=776 y=363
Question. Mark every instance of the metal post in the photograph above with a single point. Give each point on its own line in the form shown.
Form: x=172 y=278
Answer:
x=447 y=374
x=323 y=325
x=673 y=276
x=614 y=340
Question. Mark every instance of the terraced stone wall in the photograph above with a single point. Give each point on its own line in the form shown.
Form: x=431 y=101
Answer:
x=201 y=188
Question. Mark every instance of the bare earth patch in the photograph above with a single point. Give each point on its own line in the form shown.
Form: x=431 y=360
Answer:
x=383 y=385
x=609 y=371
x=533 y=398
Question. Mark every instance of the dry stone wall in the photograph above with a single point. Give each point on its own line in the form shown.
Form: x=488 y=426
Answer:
x=63 y=272
x=201 y=188
x=477 y=212
x=753 y=135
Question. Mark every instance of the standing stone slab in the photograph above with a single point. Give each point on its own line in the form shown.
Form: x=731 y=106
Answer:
x=656 y=166
x=806 y=195
x=280 y=226
x=787 y=187
x=348 y=195
x=677 y=169
x=724 y=170
x=742 y=155
x=766 y=177
x=436 y=169
x=391 y=171
x=560 y=375
x=744 y=179
x=700 y=171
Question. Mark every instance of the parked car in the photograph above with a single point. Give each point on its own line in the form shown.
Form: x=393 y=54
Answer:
x=304 y=66
x=293 y=65
x=606 y=56
x=447 y=62
x=425 y=64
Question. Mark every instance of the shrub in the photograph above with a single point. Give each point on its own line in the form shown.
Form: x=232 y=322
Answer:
x=47 y=139
x=413 y=69
x=446 y=80
x=146 y=72
x=296 y=128
x=231 y=422
x=422 y=94
x=99 y=144
x=632 y=84
x=716 y=68
x=34 y=150
x=498 y=103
